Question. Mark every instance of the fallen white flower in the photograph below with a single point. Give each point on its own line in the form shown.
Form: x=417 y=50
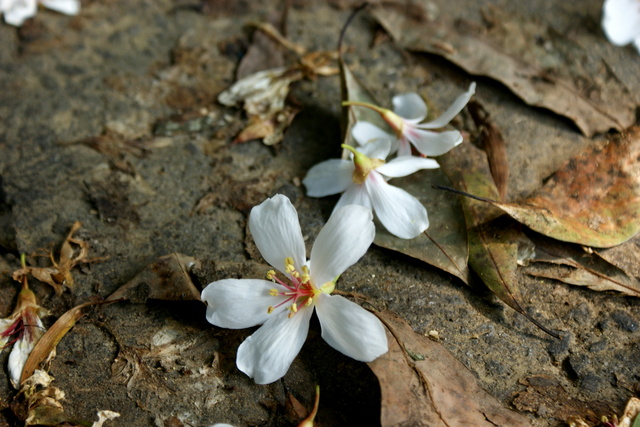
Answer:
x=285 y=307
x=363 y=181
x=409 y=110
x=621 y=22
x=17 y=11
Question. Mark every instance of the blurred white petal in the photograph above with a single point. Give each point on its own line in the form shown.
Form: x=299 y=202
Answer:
x=406 y=165
x=329 y=177
x=410 y=106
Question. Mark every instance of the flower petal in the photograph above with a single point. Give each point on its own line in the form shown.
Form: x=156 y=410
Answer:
x=399 y=212
x=20 y=11
x=621 y=21
x=351 y=329
x=68 y=7
x=406 y=165
x=275 y=229
x=434 y=143
x=341 y=243
x=453 y=111
x=365 y=132
x=376 y=149
x=240 y=303
x=329 y=177
x=356 y=194
x=410 y=106
x=267 y=354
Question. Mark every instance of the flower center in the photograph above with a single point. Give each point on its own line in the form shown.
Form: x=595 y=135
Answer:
x=363 y=164
x=299 y=292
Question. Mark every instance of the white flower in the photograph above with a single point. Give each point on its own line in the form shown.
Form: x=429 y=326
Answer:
x=364 y=182
x=25 y=329
x=408 y=111
x=284 y=307
x=17 y=11
x=621 y=22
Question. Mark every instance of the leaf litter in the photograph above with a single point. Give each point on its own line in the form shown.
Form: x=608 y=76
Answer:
x=422 y=384
x=593 y=200
x=541 y=66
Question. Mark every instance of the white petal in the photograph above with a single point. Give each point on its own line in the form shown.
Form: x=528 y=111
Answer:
x=240 y=303
x=341 y=243
x=275 y=229
x=365 y=132
x=406 y=165
x=356 y=194
x=376 y=149
x=69 y=7
x=19 y=11
x=329 y=177
x=17 y=359
x=621 y=21
x=267 y=354
x=410 y=106
x=453 y=111
x=351 y=329
x=431 y=143
x=404 y=147
x=398 y=211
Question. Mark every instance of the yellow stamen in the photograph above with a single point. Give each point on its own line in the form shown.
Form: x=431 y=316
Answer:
x=271 y=275
x=288 y=265
x=270 y=309
x=309 y=301
x=273 y=292
x=294 y=308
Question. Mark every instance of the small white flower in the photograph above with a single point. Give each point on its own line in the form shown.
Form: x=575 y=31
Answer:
x=285 y=307
x=17 y=11
x=408 y=111
x=364 y=182
x=23 y=329
x=621 y=22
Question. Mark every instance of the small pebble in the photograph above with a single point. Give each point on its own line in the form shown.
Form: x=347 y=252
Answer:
x=598 y=346
x=624 y=321
x=558 y=346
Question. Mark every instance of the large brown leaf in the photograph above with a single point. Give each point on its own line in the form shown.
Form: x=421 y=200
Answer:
x=494 y=246
x=575 y=266
x=593 y=200
x=539 y=65
x=422 y=384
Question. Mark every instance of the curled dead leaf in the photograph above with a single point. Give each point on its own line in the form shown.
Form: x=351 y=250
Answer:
x=422 y=384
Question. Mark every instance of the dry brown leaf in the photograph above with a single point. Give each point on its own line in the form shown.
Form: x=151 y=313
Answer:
x=492 y=143
x=46 y=346
x=422 y=384
x=575 y=266
x=545 y=396
x=165 y=279
x=593 y=200
x=541 y=66
x=72 y=252
x=495 y=246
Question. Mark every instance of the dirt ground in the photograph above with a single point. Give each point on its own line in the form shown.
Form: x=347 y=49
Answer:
x=110 y=118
